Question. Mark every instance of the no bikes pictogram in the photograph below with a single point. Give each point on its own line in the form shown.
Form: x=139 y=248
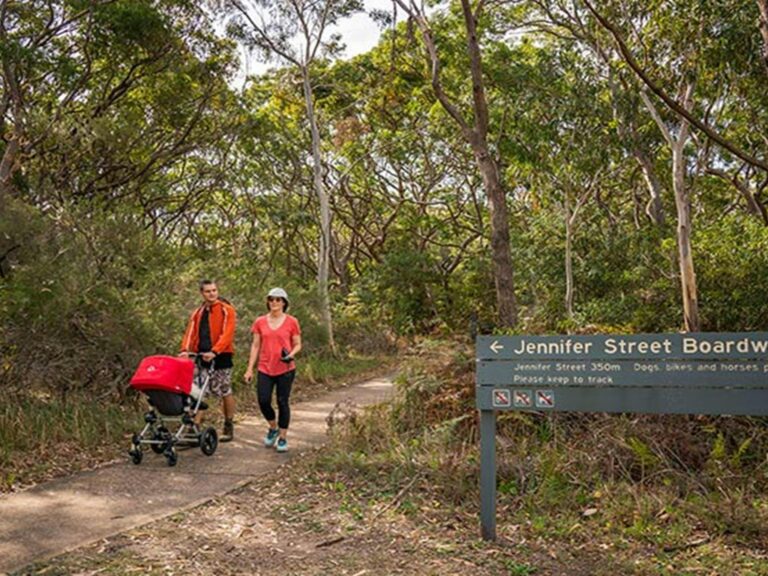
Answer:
x=523 y=399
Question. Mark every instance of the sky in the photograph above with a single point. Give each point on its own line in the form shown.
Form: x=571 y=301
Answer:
x=359 y=32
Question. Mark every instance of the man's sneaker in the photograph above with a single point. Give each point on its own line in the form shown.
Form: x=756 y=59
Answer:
x=282 y=445
x=270 y=438
x=228 y=433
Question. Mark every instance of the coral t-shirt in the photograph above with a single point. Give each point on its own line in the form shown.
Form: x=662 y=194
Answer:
x=273 y=341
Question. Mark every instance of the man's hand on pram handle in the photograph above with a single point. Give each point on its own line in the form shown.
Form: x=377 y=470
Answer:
x=205 y=356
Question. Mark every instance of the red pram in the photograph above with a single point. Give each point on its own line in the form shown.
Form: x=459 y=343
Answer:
x=172 y=390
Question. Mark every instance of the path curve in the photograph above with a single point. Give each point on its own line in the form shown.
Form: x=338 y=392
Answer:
x=58 y=516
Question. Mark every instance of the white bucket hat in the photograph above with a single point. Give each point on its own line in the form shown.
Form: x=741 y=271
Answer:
x=279 y=293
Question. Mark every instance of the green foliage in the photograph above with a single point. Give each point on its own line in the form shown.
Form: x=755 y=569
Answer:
x=145 y=170
x=80 y=310
x=733 y=258
x=320 y=368
x=404 y=282
x=132 y=24
x=643 y=455
x=518 y=569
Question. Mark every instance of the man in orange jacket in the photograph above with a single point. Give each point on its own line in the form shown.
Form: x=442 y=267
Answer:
x=211 y=333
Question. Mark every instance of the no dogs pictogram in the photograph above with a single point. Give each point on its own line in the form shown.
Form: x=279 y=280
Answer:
x=501 y=398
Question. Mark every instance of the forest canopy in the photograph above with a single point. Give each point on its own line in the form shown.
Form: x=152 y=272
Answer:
x=519 y=166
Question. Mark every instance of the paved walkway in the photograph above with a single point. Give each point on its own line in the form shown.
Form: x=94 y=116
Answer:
x=61 y=515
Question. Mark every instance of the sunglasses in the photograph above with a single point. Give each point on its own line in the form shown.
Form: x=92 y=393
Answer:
x=274 y=299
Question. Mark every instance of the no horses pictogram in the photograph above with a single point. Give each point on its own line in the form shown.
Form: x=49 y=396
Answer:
x=545 y=398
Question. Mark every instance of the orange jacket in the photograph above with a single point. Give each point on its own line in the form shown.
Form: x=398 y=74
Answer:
x=222 y=318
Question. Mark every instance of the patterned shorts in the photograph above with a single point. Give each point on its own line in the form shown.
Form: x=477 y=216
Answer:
x=220 y=384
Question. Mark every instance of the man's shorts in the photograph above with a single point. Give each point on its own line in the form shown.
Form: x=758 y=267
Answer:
x=220 y=384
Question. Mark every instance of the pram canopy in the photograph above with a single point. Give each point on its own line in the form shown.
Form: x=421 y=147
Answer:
x=164 y=373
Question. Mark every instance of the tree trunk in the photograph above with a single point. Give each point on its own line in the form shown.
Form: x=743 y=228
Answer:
x=7 y=167
x=654 y=209
x=568 y=257
x=9 y=163
x=323 y=256
x=763 y=7
x=677 y=144
x=685 y=255
x=478 y=138
x=754 y=207
x=476 y=135
x=501 y=257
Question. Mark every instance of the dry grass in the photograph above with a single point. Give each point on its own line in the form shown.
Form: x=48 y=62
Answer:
x=42 y=438
x=395 y=492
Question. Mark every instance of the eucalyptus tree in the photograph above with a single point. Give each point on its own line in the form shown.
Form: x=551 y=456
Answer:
x=666 y=52
x=37 y=39
x=677 y=137
x=557 y=139
x=66 y=66
x=693 y=70
x=702 y=33
x=474 y=128
x=111 y=110
x=102 y=97
x=297 y=33
x=274 y=189
x=405 y=192
x=566 y=22
x=707 y=85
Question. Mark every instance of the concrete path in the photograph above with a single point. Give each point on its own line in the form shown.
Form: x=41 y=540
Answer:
x=61 y=515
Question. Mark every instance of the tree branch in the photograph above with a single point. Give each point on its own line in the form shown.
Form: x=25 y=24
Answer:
x=418 y=16
x=262 y=35
x=668 y=100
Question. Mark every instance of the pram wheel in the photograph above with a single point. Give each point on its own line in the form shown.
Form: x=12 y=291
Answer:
x=209 y=441
x=136 y=455
x=171 y=457
x=161 y=435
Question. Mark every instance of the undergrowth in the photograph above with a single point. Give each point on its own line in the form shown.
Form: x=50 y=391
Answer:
x=663 y=484
x=44 y=435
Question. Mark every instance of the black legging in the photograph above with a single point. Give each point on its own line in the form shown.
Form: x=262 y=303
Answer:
x=264 y=386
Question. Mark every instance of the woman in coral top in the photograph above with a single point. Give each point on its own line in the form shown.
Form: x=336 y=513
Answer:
x=276 y=341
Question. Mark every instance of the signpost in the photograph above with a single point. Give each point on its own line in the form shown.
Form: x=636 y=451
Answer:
x=703 y=373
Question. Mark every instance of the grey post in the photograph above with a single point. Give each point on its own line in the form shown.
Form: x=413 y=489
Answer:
x=488 y=474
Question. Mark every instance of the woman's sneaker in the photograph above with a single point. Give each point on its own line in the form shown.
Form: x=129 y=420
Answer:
x=270 y=438
x=282 y=445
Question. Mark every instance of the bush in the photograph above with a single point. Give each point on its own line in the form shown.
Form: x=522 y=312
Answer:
x=554 y=465
x=83 y=305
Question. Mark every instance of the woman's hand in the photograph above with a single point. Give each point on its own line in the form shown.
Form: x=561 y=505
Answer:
x=248 y=376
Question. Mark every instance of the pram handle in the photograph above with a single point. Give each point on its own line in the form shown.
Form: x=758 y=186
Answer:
x=198 y=356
